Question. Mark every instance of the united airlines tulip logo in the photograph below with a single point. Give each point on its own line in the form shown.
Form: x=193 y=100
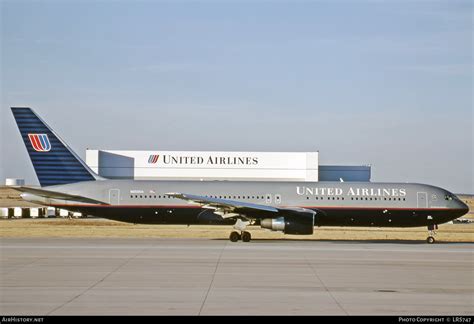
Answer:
x=40 y=142
x=153 y=159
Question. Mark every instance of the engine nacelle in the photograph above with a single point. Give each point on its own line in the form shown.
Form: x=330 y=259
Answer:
x=274 y=224
x=301 y=224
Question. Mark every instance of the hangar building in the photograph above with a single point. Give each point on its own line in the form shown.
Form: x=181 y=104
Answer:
x=206 y=165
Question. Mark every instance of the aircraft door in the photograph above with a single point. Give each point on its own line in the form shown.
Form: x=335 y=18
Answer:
x=114 y=196
x=422 y=200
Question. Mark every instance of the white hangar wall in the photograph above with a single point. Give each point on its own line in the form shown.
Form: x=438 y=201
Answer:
x=199 y=165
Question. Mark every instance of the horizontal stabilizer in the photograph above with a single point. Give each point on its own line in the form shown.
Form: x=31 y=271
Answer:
x=58 y=195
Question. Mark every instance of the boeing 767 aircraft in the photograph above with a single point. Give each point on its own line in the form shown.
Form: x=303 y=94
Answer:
x=291 y=207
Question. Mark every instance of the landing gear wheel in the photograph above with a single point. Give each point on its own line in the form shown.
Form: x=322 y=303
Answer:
x=234 y=237
x=430 y=240
x=246 y=237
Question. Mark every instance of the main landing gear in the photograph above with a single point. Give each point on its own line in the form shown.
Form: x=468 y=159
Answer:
x=431 y=233
x=243 y=235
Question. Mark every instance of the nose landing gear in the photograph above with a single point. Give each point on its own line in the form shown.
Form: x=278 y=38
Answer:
x=431 y=233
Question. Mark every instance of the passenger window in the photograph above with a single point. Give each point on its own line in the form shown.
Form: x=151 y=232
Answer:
x=268 y=199
x=278 y=199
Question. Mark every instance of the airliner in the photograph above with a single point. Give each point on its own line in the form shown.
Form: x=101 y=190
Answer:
x=290 y=207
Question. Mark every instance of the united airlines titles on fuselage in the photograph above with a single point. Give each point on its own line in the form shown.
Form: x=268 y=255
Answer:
x=334 y=191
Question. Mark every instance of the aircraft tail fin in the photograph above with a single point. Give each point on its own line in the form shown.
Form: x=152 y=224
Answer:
x=54 y=161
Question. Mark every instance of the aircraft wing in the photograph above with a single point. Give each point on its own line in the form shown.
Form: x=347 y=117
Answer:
x=227 y=208
x=58 y=195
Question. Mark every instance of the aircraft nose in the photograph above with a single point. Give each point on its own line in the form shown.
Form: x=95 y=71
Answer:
x=463 y=207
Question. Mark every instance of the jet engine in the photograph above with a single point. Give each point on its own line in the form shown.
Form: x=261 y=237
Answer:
x=299 y=223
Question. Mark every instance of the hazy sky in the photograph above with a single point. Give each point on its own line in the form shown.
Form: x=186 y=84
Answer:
x=386 y=83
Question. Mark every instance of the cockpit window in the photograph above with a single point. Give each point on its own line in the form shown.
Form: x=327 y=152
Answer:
x=448 y=197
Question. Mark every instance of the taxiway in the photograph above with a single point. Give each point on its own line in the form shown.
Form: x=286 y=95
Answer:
x=95 y=276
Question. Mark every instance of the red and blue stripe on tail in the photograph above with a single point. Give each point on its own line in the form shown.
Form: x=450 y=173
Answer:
x=40 y=142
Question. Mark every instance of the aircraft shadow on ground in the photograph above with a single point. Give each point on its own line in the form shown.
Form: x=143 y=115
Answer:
x=380 y=241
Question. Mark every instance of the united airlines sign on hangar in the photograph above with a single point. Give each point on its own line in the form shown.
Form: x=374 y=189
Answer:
x=192 y=165
x=199 y=160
